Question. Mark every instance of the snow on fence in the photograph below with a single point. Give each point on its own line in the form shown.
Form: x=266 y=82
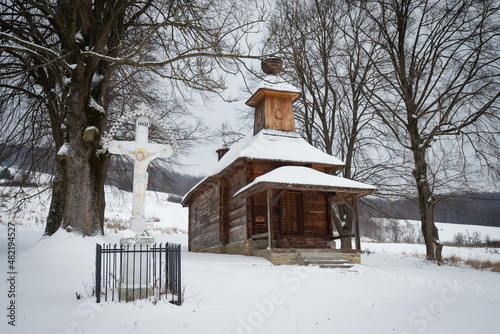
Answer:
x=127 y=273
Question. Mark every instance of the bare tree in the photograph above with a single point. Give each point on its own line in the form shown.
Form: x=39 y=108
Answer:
x=57 y=63
x=438 y=91
x=322 y=43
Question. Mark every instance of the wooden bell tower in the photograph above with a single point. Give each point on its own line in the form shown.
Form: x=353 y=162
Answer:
x=273 y=101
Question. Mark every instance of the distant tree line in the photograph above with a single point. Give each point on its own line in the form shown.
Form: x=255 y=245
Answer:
x=161 y=179
x=471 y=209
x=31 y=160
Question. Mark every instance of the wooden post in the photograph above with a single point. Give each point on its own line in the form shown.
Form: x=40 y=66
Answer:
x=269 y=219
x=357 y=239
x=330 y=216
x=224 y=212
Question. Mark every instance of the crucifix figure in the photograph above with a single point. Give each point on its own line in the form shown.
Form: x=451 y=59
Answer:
x=140 y=174
x=142 y=152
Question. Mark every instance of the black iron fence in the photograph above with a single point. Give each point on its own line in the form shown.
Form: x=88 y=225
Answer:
x=127 y=273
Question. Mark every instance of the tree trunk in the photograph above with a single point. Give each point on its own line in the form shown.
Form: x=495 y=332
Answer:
x=426 y=208
x=347 y=227
x=85 y=167
x=78 y=199
x=85 y=202
x=58 y=200
x=343 y=227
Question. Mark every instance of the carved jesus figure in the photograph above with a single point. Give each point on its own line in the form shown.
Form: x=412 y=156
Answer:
x=140 y=174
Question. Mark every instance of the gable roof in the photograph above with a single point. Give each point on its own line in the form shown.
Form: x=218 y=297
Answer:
x=275 y=145
x=270 y=145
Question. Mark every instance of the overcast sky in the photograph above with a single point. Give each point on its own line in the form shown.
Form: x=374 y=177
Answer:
x=203 y=158
x=216 y=112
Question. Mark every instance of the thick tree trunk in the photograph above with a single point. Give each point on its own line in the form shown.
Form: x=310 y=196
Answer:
x=85 y=168
x=343 y=227
x=85 y=202
x=78 y=200
x=426 y=208
x=56 y=211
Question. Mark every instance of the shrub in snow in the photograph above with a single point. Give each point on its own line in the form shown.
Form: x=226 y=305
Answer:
x=6 y=174
x=174 y=198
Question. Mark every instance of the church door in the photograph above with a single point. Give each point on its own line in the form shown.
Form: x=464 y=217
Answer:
x=290 y=214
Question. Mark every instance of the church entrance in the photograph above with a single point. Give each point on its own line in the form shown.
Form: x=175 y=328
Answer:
x=290 y=214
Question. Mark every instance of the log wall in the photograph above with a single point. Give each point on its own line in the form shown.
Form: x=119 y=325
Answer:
x=237 y=207
x=204 y=220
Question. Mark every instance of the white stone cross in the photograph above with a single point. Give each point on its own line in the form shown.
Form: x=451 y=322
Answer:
x=142 y=152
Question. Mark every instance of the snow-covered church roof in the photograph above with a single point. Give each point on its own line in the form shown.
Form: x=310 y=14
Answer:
x=272 y=145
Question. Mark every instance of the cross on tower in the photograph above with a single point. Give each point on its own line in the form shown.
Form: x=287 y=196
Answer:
x=224 y=134
x=143 y=108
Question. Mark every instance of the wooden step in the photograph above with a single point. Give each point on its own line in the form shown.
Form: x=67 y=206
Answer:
x=328 y=263
x=322 y=259
x=303 y=245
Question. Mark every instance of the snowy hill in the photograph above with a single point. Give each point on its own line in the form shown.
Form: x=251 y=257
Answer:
x=394 y=290
x=401 y=230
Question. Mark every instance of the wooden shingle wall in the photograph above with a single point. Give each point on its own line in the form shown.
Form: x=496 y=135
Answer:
x=204 y=221
x=237 y=208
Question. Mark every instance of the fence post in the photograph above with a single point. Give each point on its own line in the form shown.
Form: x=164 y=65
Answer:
x=179 y=284
x=98 y=272
x=160 y=273
x=120 y=281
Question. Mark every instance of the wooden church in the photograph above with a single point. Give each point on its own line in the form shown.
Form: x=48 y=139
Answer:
x=271 y=194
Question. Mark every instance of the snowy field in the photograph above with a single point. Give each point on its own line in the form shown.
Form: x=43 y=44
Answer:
x=401 y=230
x=394 y=290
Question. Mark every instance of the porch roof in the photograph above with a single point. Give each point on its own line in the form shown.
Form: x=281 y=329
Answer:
x=304 y=178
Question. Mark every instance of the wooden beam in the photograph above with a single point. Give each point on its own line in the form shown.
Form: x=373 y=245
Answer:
x=269 y=218
x=224 y=211
x=343 y=236
x=277 y=198
x=260 y=236
x=346 y=201
x=357 y=239
x=330 y=216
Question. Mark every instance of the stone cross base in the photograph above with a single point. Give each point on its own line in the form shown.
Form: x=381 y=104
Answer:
x=135 y=275
x=130 y=294
x=144 y=241
x=137 y=223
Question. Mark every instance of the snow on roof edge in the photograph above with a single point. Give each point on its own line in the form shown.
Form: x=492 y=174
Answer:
x=275 y=82
x=286 y=174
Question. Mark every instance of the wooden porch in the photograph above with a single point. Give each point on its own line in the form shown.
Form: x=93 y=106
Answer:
x=303 y=251
x=292 y=222
x=294 y=235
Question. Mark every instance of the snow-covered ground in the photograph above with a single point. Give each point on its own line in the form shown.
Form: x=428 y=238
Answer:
x=410 y=230
x=394 y=290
